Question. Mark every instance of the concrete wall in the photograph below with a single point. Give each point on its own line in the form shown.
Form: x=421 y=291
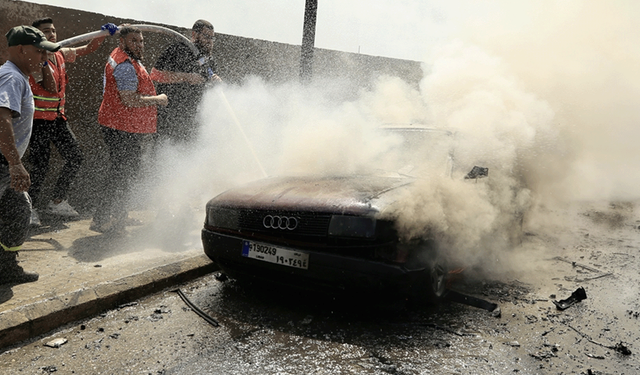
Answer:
x=236 y=57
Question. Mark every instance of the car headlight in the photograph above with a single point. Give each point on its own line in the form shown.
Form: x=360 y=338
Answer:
x=223 y=217
x=352 y=226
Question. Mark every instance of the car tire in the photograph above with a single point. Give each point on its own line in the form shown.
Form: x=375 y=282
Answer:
x=436 y=280
x=431 y=285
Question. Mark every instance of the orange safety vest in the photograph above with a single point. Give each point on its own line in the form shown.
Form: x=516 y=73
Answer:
x=113 y=113
x=47 y=104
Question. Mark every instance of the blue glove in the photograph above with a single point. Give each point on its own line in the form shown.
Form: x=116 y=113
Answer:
x=112 y=28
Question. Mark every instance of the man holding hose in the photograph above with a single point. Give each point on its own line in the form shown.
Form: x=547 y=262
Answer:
x=127 y=114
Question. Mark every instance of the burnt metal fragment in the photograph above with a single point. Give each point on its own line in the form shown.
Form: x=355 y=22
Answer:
x=493 y=308
x=477 y=172
x=576 y=296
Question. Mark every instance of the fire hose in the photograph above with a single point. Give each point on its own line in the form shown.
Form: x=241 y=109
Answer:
x=84 y=38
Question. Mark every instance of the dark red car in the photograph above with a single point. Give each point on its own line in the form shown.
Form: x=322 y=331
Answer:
x=327 y=233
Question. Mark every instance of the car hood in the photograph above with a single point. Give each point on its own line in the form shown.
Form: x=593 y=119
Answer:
x=347 y=195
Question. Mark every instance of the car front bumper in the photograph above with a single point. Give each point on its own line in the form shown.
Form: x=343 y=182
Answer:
x=327 y=272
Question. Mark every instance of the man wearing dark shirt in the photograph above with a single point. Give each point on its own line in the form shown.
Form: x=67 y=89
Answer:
x=182 y=75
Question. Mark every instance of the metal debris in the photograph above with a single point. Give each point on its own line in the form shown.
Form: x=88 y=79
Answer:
x=576 y=296
x=619 y=347
x=575 y=264
x=56 y=343
x=493 y=308
x=195 y=309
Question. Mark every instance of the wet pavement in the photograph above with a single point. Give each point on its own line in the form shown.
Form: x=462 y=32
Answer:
x=270 y=331
x=83 y=273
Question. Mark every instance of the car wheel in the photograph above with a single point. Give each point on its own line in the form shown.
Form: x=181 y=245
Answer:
x=431 y=286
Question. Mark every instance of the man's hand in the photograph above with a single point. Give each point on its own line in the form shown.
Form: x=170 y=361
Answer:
x=214 y=78
x=20 y=180
x=163 y=100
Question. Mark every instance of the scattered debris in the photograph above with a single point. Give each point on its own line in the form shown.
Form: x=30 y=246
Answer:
x=594 y=356
x=193 y=307
x=221 y=277
x=56 y=343
x=307 y=320
x=49 y=369
x=447 y=329
x=531 y=319
x=593 y=278
x=619 y=347
x=576 y=296
x=493 y=308
x=548 y=332
x=575 y=264
x=546 y=354
x=129 y=304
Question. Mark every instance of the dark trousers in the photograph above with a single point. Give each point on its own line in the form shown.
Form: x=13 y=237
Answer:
x=125 y=152
x=45 y=133
x=15 y=212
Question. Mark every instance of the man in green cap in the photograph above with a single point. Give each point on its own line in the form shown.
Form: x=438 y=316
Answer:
x=27 y=51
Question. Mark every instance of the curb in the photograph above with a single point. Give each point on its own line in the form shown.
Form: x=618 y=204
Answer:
x=40 y=317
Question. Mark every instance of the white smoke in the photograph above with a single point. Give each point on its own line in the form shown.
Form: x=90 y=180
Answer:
x=544 y=100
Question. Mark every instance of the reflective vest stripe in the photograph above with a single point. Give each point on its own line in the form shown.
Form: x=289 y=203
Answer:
x=47 y=98
x=46 y=109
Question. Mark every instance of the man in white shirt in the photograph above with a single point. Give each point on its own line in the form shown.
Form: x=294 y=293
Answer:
x=27 y=50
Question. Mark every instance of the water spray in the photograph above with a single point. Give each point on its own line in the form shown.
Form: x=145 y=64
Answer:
x=237 y=122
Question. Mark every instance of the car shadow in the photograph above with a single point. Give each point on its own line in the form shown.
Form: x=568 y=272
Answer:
x=369 y=321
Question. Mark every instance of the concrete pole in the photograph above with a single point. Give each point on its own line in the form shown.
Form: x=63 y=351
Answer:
x=308 y=40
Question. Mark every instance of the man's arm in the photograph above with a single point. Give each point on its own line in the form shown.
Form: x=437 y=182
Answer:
x=91 y=47
x=127 y=84
x=137 y=100
x=20 y=180
x=165 y=76
x=48 y=82
x=70 y=54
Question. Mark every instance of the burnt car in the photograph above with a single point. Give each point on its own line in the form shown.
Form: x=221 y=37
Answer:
x=327 y=232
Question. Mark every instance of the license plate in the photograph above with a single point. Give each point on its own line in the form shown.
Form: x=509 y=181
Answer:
x=273 y=254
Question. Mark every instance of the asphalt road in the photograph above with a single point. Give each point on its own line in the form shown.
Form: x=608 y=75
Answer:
x=267 y=331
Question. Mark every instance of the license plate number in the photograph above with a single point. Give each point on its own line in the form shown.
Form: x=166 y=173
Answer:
x=273 y=254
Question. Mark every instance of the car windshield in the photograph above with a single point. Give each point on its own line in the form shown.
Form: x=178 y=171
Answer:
x=417 y=151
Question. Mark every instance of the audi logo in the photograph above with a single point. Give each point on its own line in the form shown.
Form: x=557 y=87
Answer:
x=280 y=222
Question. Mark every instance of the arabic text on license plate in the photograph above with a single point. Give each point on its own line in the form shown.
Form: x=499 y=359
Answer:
x=274 y=254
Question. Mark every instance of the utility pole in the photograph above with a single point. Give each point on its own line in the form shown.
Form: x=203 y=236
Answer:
x=308 y=40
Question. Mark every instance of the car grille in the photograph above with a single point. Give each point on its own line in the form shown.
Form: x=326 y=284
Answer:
x=308 y=224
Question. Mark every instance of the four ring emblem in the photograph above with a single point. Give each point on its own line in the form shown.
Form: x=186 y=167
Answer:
x=280 y=222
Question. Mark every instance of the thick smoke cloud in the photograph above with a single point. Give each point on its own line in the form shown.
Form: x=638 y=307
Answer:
x=540 y=94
